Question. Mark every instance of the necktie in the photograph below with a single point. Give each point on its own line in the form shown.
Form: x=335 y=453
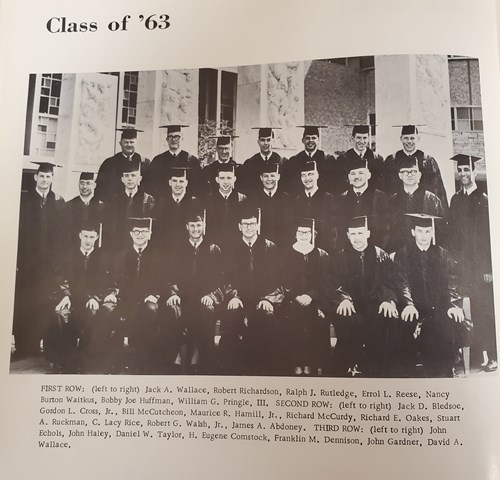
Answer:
x=130 y=198
x=251 y=256
x=139 y=255
x=270 y=194
x=86 y=261
x=358 y=194
x=44 y=200
x=265 y=158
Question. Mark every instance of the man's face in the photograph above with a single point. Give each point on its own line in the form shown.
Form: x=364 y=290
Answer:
x=88 y=239
x=410 y=176
x=131 y=179
x=304 y=235
x=358 y=237
x=361 y=141
x=140 y=236
x=409 y=142
x=86 y=187
x=359 y=177
x=269 y=180
x=178 y=185
x=174 y=141
x=195 y=230
x=423 y=236
x=43 y=180
x=309 y=179
x=265 y=145
x=310 y=142
x=224 y=153
x=226 y=181
x=466 y=176
x=248 y=227
x=128 y=146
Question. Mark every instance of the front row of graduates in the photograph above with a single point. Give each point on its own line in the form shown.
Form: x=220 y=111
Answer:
x=152 y=311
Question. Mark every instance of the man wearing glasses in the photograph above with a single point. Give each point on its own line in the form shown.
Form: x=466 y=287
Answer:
x=410 y=198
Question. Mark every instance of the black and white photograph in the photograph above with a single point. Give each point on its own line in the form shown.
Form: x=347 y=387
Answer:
x=323 y=217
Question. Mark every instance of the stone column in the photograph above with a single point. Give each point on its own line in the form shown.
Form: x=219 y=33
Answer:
x=86 y=127
x=415 y=89
x=271 y=95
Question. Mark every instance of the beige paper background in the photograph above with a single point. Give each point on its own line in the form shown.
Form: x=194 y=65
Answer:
x=226 y=33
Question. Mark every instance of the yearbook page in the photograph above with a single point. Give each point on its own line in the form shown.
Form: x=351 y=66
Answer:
x=249 y=238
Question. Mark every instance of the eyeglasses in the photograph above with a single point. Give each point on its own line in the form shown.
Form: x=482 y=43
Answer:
x=140 y=232
x=248 y=224
x=174 y=137
x=407 y=173
x=303 y=232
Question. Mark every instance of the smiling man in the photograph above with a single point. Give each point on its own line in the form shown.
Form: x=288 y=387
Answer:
x=360 y=150
x=427 y=165
x=110 y=172
x=469 y=241
x=157 y=175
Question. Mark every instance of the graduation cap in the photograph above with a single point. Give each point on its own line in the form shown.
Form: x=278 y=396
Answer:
x=224 y=139
x=129 y=133
x=178 y=172
x=309 y=166
x=265 y=132
x=311 y=129
x=465 y=160
x=360 y=128
x=93 y=226
x=358 y=222
x=408 y=162
x=225 y=167
x=133 y=165
x=46 y=167
x=409 y=129
x=140 y=222
x=173 y=128
x=424 y=220
x=357 y=163
x=85 y=174
x=270 y=167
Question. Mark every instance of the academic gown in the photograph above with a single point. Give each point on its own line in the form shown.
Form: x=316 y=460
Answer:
x=375 y=165
x=431 y=175
x=158 y=174
x=327 y=167
x=249 y=173
x=109 y=177
x=79 y=213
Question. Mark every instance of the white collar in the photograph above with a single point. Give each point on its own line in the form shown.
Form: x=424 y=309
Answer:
x=87 y=199
x=468 y=191
x=411 y=153
x=423 y=249
x=361 y=154
x=303 y=248
x=128 y=157
x=360 y=190
x=252 y=243
x=178 y=199
x=174 y=154
x=133 y=192
x=268 y=156
x=142 y=248
x=273 y=191
x=311 y=154
x=196 y=244
x=88 y=252
x=42 y=194
x=225 y=195
x=310 y=193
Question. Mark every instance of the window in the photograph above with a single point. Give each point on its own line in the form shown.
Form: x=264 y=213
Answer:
x=467 y=119
x=373 y=126
x=50 y=93
x=129 y=105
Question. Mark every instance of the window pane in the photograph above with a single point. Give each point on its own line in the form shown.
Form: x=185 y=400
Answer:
x=44 y=105
x=463 y=113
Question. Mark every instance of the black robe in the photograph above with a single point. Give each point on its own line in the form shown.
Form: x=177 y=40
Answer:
x=79 y=213
x=431 y=175
x=375 y=165
x=210 y=172
x=327 y=168
x=109 y=177
x=249 y=173
x=157 y=176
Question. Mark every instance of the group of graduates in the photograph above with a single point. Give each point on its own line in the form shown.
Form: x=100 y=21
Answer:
x=162 y=266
